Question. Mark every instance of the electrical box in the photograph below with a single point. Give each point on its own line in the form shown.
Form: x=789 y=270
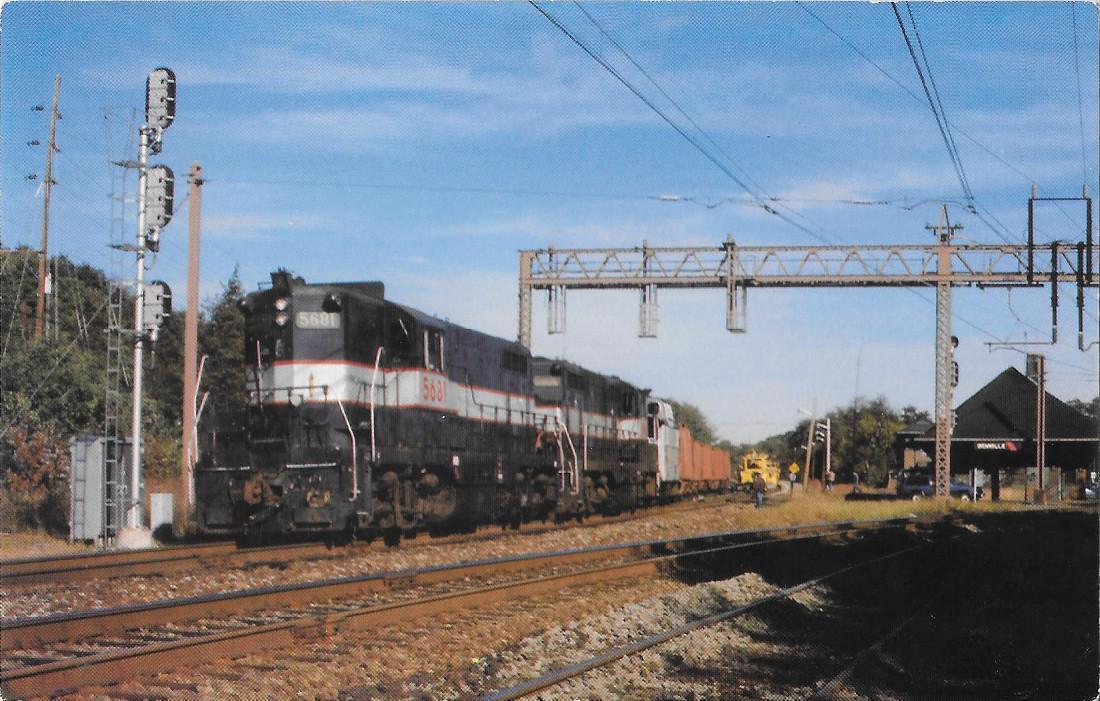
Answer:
x=99 y=487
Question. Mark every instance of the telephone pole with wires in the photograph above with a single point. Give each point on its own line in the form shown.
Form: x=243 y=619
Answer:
x=47 y=183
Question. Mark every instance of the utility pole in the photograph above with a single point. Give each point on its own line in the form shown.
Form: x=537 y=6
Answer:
x=51 y=147
x=810 y=447
x=1036 y=370
x=944 y=363
x=191 y=333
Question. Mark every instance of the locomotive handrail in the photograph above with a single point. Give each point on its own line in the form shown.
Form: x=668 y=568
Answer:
x=354 y=454
x=373 y=381
x=574 y=472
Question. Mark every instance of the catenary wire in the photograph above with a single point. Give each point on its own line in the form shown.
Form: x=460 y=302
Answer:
x=939 y=102
x=892 y=78
x=932 y=105
x=1080 y=106
x=680 y=130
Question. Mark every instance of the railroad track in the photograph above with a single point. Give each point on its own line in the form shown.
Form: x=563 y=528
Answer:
x=941 y=581
x=572 y=671
x=175 y=558
x=48 y=655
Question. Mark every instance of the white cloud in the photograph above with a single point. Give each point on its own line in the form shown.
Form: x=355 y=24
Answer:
x=259 y=226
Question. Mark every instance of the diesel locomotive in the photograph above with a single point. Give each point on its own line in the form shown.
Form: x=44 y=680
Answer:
x=368 y=417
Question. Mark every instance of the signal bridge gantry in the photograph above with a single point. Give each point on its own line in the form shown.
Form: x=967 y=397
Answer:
x=941 y=265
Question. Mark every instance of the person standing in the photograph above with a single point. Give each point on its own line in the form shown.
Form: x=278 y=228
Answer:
x=830 y=477
x=759 y=487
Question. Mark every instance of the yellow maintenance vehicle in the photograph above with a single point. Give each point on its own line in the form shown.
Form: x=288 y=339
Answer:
x=753 y=462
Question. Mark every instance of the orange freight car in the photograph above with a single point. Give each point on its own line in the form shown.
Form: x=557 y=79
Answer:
x=702 y=467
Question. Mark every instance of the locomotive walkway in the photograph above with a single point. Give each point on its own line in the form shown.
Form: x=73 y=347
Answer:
x=48 y=655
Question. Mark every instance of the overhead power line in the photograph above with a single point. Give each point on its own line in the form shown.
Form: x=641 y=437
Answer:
x=1080 y=107
x=709 y=201
x=761 y=192
x=933 y=104
x=672 y=123
x=939 y=102
x=893 y=79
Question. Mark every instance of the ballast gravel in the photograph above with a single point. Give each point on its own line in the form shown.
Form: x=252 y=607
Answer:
x=714 y=514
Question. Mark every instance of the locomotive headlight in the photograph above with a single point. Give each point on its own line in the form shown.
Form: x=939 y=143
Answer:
x=280 y=304
x=281 y=318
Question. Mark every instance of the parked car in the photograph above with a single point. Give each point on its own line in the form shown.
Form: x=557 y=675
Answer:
x=921 y=484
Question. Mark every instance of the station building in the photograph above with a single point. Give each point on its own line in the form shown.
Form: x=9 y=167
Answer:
x=995 y=435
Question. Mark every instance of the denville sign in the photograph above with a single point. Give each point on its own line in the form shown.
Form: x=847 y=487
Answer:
x=1011 y=446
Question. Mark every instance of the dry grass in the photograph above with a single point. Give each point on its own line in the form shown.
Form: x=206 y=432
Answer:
x=818 y=506
x=37 y=544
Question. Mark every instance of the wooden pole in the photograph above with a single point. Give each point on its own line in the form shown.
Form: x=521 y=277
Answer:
x=191 y=335
x=40 y=309
x=810 y=449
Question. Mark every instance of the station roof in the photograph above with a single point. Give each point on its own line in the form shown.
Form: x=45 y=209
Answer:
x=1006 y=408
x=996 y=425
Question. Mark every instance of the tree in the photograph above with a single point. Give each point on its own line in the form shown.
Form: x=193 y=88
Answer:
x=911 y=415
x=221 y=338
x=1089 y=409
x=863 y=439
x=692 y=416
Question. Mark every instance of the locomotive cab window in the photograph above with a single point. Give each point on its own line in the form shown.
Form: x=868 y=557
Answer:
x=628 y=404
x=433 y=349
x=363 y=331
x=400 y=348
x=513 y=362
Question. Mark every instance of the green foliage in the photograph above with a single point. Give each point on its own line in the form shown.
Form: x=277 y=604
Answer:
x=222 y=339
x=163 y=455
x=863 y=439
x=1089 y=409
x=164 y=403
x=54 y=388
x=692 y=416
x=35 y=481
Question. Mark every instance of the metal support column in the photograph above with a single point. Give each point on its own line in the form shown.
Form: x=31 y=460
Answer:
x=648 y=313
x=133 y=511
x=944 y=363
x=1038 y=363
x=736 y=293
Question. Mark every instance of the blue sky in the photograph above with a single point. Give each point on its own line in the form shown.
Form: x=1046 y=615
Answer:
x=371 y=141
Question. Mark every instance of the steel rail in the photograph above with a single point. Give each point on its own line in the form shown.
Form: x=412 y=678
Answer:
x=59 y=564
x=828 y=689
x=174 y=558
x=23 y=632
x=564 y=673
x=55 y=677
x=155 y=561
